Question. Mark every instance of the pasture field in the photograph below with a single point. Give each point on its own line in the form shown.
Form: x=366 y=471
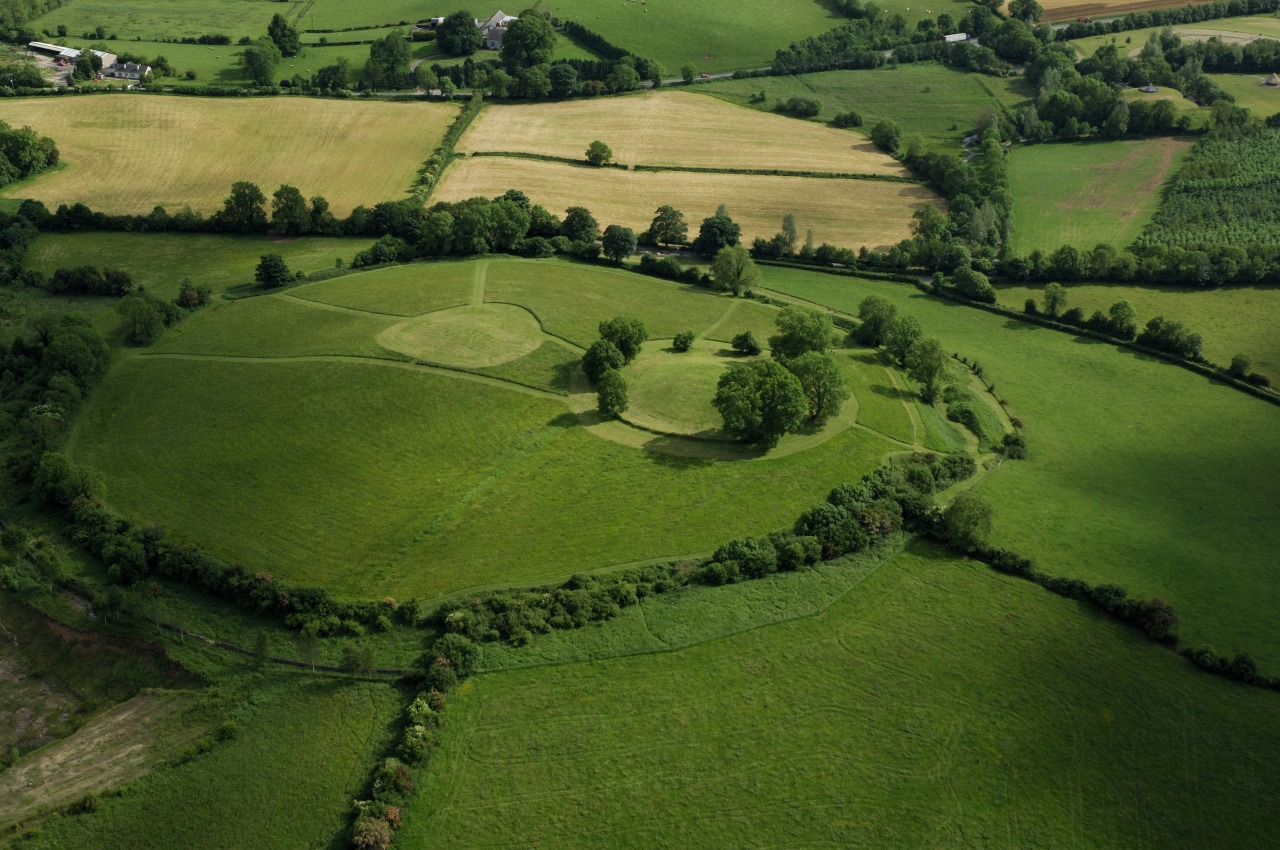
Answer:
x=933 y=703
x=745 y=316
x=180 y=151
x=940 y=103
x=1123 y=449
x=146 y=20
x=1087 y=193
x=335 y=14
x=848 y=213
x=713 y=36
x=1247 y=89
x=160 y=261
x=386 y=478
x=303 y=753
x=398 y=290
x=676 y=128
x=1232 y=320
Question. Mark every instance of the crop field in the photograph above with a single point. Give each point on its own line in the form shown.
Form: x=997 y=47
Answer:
x=1233 y=320
x=1070 y=10
x=1117 y=460
x=287 y=779
x=1088 y=193
x=275 y=397
x=179 y=151
x=934 y=702
x=848 y=213
x=939 y=103
x=676 y=128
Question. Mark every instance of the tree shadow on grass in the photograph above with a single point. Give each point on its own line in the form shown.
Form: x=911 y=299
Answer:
x=1015 y=325
x=562 y=375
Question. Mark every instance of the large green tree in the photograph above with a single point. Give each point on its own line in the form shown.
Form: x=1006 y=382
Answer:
x=618 y=242
x=530 y=40
x=800 y=330
x=823 y=384
x=759 y=402
x=285 y=37
x=733 y=269
x=603 y=356
x=715 y=233
x=272 y=271
x=926 y=364
x=967 y=521
x=580 y=225
x=289 y=213
x=388 y=65
x=611 y=394
x=668 y=226
x=876 y=315
x=259 y=61
x=458 y=35
x=904 y=332
x=627 y=334
x=242 y=211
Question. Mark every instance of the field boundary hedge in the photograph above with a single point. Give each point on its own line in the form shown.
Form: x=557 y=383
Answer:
x=431 y=171
x=542 y=157
x=782 y=172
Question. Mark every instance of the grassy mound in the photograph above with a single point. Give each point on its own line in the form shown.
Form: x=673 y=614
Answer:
x=672 y=392
x=480 y=335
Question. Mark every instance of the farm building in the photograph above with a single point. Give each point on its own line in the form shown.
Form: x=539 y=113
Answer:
x=956 y=38
x=126 y=70
x=493 y=29
x=71 y=54
x=1273 y=80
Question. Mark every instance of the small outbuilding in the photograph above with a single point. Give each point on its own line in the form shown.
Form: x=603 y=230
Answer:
x=1273 y=80
x=1148 y=89
x=956 y=38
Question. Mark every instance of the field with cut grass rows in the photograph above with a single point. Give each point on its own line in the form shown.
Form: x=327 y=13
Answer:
x=130 y=153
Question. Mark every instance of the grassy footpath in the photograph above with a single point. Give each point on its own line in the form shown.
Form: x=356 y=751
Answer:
x=937 y=704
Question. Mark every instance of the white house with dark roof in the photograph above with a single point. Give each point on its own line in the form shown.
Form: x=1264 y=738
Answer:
x=126 y=70
x=494 y=28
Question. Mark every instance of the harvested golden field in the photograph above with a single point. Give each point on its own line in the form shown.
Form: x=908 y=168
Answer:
x=1070 y=10
x=128 y=154
x=676 y=128
x=847 y=213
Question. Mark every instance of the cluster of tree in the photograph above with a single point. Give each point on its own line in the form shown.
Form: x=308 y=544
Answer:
x=561 y=79
x=619 y=344
x=1203 y=264
x=857 y=517
x=146 y=316
x=44 y=377
x=88 y=280
x=515 y=616
x=904 y=341
x=760 y=401
x=1120 y=320
x=22 y=75
x=24 y=154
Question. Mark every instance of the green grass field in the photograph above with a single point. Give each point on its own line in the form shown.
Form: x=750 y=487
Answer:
x=1232 y=320
x=1247 y=89
x=934 y=705
x=939 y=103
x=303 y=754
x=386 y=478
x=1229 y=30
x=1088 y=193
x=130 y=20
x=1135 y=475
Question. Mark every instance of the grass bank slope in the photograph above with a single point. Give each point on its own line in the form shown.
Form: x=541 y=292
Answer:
x=1141 y=473
x=128 y=154
x=937 y=704
x=1086 y=193
x=676 y=128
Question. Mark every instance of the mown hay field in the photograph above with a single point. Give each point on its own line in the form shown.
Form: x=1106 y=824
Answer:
x=1088 y=193
x=940 y=103
x=128 y=154
x=933 y=702
x=676 y=128
x=386 y=478
x=1070 y=10
x=1140 y=473
x=848 y=213
x=150 y=19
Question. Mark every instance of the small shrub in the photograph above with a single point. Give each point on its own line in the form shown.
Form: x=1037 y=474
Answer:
x=745 y=343
x=683 y=341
